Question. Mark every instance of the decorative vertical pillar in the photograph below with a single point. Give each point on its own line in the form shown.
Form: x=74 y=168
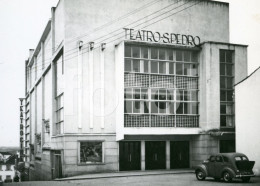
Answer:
x=90 y=72
x=142 y=155
x=102 y=80
x=168 y=157
x=80 y=87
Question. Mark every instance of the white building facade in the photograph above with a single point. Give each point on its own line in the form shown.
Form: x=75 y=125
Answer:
x=142 y=85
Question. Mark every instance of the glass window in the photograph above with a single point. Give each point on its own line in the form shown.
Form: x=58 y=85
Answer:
x=171 y=68
x=170 y=55
x=162 y=54
x=162 y=67
x=154 y=94
x=179 y=55
x=144 y=52
x=144 y=93
x=171 y=108
x=230 y=95
x=187 y=56
x=194 y=57
x=154 y=53
x=146 y=107
x=137 y=93
x=222 y=56
x=91 y=152
x=193 y=70
x=223 y=95
x=229 y=83
x=136 y=107
x=128 y=65
x=170 y=94
x=222 y=82
x=162 y=107
x=136 y=65
x=222 y=120
x=154 y=107
x=223 y=109
x=154 y=67
x=229 y=56
x=229 y=70
x=162 y=94
x=179 y=108
x=136 y=52
x=222 y=69
x=128 y=93
x=146 y=66
x=128 y=106
x=127 y=51
x=179 y=69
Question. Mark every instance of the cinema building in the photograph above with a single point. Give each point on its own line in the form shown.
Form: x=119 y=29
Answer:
x=131 y=85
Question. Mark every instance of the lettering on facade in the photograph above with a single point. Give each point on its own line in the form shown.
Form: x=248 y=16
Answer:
x=21 y=128
x=170 y=38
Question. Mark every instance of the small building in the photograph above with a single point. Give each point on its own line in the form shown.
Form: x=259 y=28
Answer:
x=130 y=85
x=247 y=97
x=7 y=171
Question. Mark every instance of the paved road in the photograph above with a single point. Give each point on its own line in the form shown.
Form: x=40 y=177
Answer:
x=157 y=180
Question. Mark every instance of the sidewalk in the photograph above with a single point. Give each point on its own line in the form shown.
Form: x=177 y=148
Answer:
x=126 y=174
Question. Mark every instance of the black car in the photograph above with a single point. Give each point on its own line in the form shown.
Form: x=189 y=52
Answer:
x=226 y=166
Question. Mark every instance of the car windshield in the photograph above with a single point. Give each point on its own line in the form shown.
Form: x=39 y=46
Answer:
x=241 y=158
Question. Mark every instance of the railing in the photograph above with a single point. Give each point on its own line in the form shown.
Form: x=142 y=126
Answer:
x=142 y=120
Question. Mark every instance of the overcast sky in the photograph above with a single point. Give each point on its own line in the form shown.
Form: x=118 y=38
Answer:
x=23 y=21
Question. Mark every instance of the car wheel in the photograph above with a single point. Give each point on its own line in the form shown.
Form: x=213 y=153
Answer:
x=227 y=177
x=200 y=175
x=246 y=179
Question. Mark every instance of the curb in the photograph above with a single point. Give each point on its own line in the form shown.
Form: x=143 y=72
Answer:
x=129 y=175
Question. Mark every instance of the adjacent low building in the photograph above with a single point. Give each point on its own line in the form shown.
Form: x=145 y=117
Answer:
x=131 y=85
x=248 y=117
x=7 y=163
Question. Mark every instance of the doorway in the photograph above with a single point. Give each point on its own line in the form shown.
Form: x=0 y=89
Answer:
x=155 y=155
x=180 y=154
x=56 y=164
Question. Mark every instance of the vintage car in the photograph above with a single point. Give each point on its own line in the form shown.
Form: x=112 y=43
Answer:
x=226 y=166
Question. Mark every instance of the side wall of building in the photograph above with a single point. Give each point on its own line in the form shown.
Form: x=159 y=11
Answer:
x=248 y=118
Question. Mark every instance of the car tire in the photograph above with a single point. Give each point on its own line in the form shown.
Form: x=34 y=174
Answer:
x=200 y=175
x=227 y=177
x=246 y=179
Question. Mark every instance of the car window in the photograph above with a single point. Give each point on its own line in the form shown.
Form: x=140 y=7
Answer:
x=212 y=158
x=241 y=158
x=225 y=159
x=244 y=158
x=219 y=159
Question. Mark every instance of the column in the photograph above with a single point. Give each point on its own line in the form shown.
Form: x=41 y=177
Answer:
x=142 y=155
x=168 y=155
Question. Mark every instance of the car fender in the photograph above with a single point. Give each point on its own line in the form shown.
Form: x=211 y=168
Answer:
x=230 y=171
x=203 y=168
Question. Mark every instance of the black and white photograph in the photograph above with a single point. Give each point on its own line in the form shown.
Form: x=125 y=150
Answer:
x=129 y=92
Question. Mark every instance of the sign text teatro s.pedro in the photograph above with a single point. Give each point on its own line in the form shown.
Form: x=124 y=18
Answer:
x=170 y=38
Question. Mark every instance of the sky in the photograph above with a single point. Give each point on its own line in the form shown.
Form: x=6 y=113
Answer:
x=23 y=21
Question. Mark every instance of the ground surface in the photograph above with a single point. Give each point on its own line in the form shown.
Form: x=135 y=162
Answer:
x=187 y=179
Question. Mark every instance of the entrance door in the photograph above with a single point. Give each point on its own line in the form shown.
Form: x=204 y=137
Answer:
x=129 y=155
x=155 y=155
x=180 y=154
x=56 y=165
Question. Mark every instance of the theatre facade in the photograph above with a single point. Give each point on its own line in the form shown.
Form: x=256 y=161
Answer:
x=138 y=85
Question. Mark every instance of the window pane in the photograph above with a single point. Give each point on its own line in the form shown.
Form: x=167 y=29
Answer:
x=229 y=109
x=230 y=95
x=90 y=152
x=186 y=109
x=162 y=107
x=136 y=107
x=144 y=94
x=136 y=52
x=170 y=55
x=146 y=107
x=229 y=70
x=194 y=70
x=136 y=65
x=179 y=108
x=222 y=82
x=127 y=51
x=187 y=56
x=179 y=70
x=222 y=56
x=154 y=107
x=171 y=108
x=194 y=57
x=194 y=107
x=178 y=55
x=162 y=54
x=179 y=95
x=222 y=95
x=162 y=94
x=187 y=69
x=154 y=67
x=128 y=106
x=194 y=96
x=186 y=95
x=154 y=53
x=222 y=69
x=229 y=56
x=171 y=68
x=154 y=94
x=137 y=93
x=146 y=66
x=128 y=65
x=222 y=121
x=223 y=109
x=229 y=83
x=128 y=93
x=169 y=94
x=162 y=67
x=144 y=52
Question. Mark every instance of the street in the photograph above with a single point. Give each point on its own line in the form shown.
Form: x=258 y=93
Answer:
x=168 y=179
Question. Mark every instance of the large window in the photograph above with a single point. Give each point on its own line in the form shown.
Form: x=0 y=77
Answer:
x=226 y=89
x=161 y=87
x=91 y=152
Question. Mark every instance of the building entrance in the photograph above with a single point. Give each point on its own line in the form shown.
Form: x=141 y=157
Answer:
x=155 y=155
x=56 y=165
x=180 y=154
x=129 y=155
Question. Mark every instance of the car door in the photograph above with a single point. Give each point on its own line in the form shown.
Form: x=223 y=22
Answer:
x=219 y=165
x=211 y=166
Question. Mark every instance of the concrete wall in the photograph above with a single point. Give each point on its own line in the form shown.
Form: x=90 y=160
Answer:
x=209 y=96
x=248 y=118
